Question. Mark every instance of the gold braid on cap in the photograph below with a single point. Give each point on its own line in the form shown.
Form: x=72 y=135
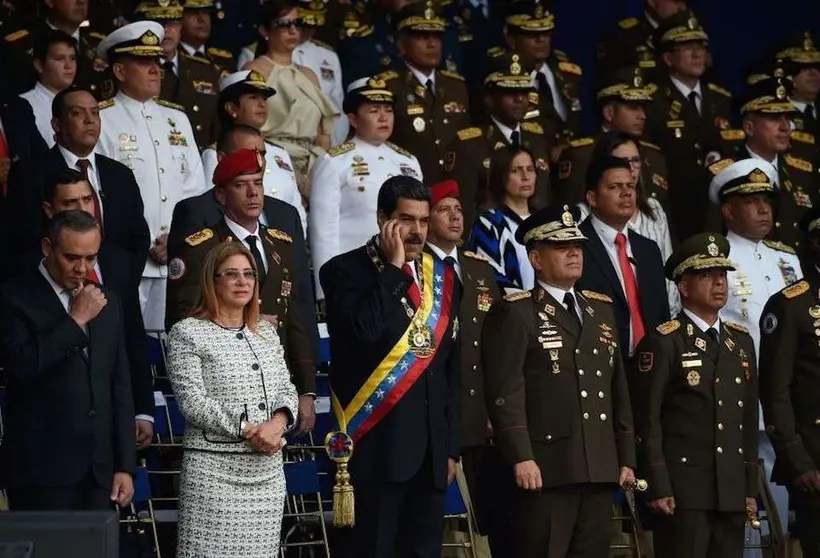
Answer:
x=699 y=262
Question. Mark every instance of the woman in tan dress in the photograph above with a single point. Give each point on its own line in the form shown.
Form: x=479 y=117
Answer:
x=300 y=116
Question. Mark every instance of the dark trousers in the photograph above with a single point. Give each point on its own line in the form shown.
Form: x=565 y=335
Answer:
x=403 y=520
x=566 y=522
x=85 y=495
x=492 y=489
x=700 y=534
x=807 y=521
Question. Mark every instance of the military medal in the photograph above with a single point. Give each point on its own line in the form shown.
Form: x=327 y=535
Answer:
x=286 y=286
x=690 y=330
x=693 y=378
x=420 y=340
x=418 y=124
x=700 y=344
x=484 y=301
x=556 y=368
x=554 y=354
x=550 y=309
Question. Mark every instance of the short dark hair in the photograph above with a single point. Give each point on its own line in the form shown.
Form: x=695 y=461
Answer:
x=398 y=187
x=58 y=104
x=608 y=143
x=227 y=139
x=499 y=168
x=75 y=220
x=43 y=43
x=600 y=165
x=60 y=177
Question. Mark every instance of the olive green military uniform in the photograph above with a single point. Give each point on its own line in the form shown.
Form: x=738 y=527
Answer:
x=196 y=88
x=629 y=43
x=790 y=394
x=276 y=292
x=568 y=76
x=426 y=124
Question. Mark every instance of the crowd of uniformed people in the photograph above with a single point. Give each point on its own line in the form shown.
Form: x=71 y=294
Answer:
x=553 y=315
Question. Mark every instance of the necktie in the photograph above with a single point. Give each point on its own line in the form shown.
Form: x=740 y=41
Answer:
x=515 y=139
x=450 y=261
x=169 y=67
x=413 y=292
x=429 y=87
x=544 y=88
x=569 y=302
x=713 y=334
x=83 y=165
x=693 y=98
x=631 y=290
x=4 y=154
x=809 y=112
x=257 y=256
x=92 y=276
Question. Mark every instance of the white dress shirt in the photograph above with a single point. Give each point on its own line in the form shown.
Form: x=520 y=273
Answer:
x=686 y=90
x=193 y=51
x=557 y=98
x=75 y=35
x=40 y=99
x=423 y=79
x=558 y=294
x=325 y=64
x=93 y=176
x=242 y=234
x=701 y=324
x=453 y=254
x=506 y=131
x=175 y=62
x=774 y=162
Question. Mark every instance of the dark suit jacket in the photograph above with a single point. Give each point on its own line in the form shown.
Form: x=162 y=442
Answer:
x=20 y=130
x=68 y=413
x=600 y=275
x=365 y=318
x=196 y=213
x=123 y=212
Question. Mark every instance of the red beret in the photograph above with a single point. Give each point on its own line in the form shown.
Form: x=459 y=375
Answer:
x=443 y=189
x=241 y=161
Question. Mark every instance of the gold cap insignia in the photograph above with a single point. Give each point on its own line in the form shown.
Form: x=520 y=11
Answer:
x=376 y=83
x=713 y=249
x=758 y=176
x=148 y=38
x=255 y=76
x=780 y=93
x=515 y=67
x=692 y=23
x=429 y=13
x=637 y=79
x=539 y=11
x=808 y=43
x=163 y=3
x=566 y=217
x=778 y=73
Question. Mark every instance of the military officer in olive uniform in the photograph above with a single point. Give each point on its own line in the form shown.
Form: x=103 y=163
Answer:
x=688 y=120
x=695 y=399
x=622 y=97
x=556 y=391
x=431 y=104
x=801 y=60
x=238 y=177
x=467 y=159
x=189 y=81
x=196 y=31
x=789 y=389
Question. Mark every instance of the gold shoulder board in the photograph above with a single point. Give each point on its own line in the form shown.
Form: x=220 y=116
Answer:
x=199 y=237
x=11 y=37
x=279 y=235
x=495 y=52
x=388 y=75
x=596 y=296
x=105 y=104
x=803 y=137
x=781 y=246
x=398 y=149
x=219 y=52
x=581 y=142
x=560 y=54
x=716 y=168
x=796 y=290
x=96 y=35
x=343 y=148
x=718 y=89
x=668 y=327
x=628 y=23
x=469 y=133
x=169 y=104
x=737 y=327
x=650 y=145
x=475 y=256
x=799 y=164
x=363 y=31
x=532 y=127
x=454 y=75
x=733 y=135
x=520 y=295
x=570 y=68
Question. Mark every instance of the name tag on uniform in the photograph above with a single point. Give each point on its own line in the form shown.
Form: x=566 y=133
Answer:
x=413 y=110
x=692 y=363
x=552 y=345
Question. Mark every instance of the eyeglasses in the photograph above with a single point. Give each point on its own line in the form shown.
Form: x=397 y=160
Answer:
x=233 y=275
x=633 y=161
x=289 y=23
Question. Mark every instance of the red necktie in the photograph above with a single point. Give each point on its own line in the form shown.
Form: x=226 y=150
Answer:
x=4 y=154
x=83 y=165
x=413 y=291
x=631 y=290
x=92 y=276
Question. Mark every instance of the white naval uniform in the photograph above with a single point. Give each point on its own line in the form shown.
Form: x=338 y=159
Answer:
x=345 y=188
x=325 y=64
x=40 y=99
x=279 y=179
x=157 y=143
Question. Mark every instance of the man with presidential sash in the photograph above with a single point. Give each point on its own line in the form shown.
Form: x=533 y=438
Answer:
x=392 y=318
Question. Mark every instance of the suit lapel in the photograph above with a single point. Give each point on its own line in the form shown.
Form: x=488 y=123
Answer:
x=596 y=249
x=43 y=296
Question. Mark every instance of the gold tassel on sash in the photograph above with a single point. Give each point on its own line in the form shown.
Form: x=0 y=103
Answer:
x=339 y=447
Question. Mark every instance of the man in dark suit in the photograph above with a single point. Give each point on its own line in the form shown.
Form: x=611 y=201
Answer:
x=63 y=350
x=619 y=262
x=19 y=138
x=402 y=357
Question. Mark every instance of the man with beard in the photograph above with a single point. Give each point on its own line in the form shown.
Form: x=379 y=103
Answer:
x=395 y=377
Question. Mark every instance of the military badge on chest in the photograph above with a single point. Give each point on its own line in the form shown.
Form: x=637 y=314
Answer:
x=787 y=271
x=359 y=168
x=407 y=170
x=549 y=337
x=175 y=137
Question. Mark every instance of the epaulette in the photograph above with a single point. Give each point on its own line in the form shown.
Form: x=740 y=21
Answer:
x=628 y=23
x=199 y=237
x=596 y=296
x=169 y=104
x=570 y=68
x=279 y=235
x=323 y=44
x=560 y=55
x=518 y=295
x=581 y=142
x=650 y=145
x=718 y=89
x=469 y=133
x=220 y=53
x=388 y=75
x=799 y=164
x=195 y=58
x=108 y=103
x=754 y=79
x=532 y=127
x=733 y=135
x=398 y=149
x=495 y=52
x=341 y=148
x=737 y=327
x=796 y=290
x=454 y=75
x=475 y=256
x=803 y=137
x=363 y=31
x=17 y=35
x=96 y=35
x=716 y=168
x=668 y=327
x=780 y=246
